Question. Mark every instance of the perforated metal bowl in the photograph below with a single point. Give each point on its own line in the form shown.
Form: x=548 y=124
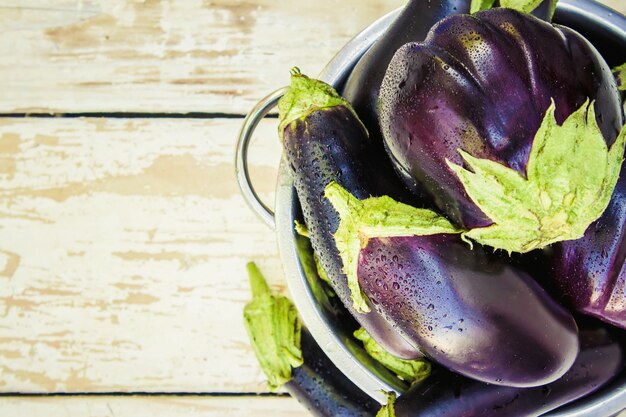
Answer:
x=604 y=27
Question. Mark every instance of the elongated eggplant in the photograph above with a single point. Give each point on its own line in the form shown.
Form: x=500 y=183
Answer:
x=484 y=84
x=478 y=317
x=475 y=315
x=292 y=359
x=324 y=141
x=322 y=389
x=449 y=395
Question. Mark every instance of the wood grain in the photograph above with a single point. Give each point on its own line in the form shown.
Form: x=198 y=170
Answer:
x=168 y=56
x=163 y=55
x=123 y=245
x=154 y=406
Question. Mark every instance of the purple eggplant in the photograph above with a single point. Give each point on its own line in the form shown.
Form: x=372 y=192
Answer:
x=412 y=25
x=323 y=389
x=589 y=274
x=483 y=84
x=449 y=395
x=362 y=89
x=292 y=359
x=469 y=312
x=324 y=141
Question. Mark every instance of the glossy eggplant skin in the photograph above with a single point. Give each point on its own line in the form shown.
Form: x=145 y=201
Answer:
x=467 y=311
x=588 y=274
x=483 y=83
x=332 y=145
x=323 y=390
x=450 y=395
x=412 y=25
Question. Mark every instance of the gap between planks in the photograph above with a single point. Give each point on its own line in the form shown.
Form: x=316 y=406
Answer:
x=154 y=406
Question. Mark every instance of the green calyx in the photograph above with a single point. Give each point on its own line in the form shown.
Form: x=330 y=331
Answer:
x=570 y=177
x=411 y=371
x=304 y=96
x=274 y=330
x=478 y=5
x=301 y=229
x=620 y=75
x=375 y=217
x=525 y=6
x=388 y=409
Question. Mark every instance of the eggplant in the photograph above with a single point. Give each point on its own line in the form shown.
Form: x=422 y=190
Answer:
x=469 y=312
x=412 y=24
x=323 y=389
x=362 y=88
x=483 y=84
x=324 y=141
x=292 y=359
x=589 y=274
x=450 y=395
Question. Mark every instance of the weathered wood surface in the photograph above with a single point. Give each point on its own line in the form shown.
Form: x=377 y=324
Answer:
x=168 y=56
x=123 y=245
x=123 y=242
x=154 y=406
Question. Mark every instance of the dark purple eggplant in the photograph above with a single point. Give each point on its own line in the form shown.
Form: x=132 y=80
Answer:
x=323 y=389
x=324 y=141
x=450 y=395
x=589 y=274
x=362 y=89
x=412 y=24
x=467 y=311
x=483 y=84
x=292 y=359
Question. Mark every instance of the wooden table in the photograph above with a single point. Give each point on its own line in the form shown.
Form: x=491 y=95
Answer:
x=123 y=237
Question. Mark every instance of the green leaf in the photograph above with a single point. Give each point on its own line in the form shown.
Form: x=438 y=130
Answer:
x=570 y=177
x=620 y=75
x=478 y=5
x=301 y=229
x=304 y=96
x=525 y=6
x=553 y=8
x=388 y=409
x=274 y=330
x=411 y=371
x=375 y=217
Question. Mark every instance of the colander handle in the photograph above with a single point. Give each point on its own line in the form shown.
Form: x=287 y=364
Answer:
x=250 y=123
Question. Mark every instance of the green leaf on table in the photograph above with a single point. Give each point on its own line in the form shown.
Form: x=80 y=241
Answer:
x=570 y=177
x=411 y=371
x=620 y=76
x=373 y=217
x=274 y=330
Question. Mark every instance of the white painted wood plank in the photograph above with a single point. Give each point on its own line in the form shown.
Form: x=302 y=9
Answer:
x=123 y=245
x=153 y=406
x=163 y=55
x=168 y=56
